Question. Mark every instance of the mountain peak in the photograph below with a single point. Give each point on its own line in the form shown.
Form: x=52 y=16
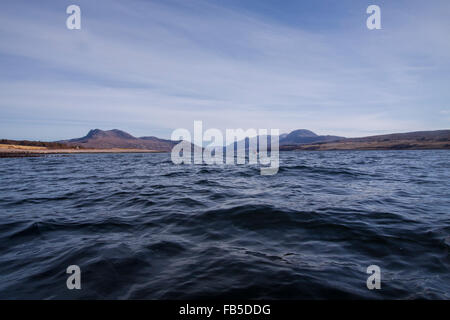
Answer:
x=302 y=133
x=303 y=136
x=115 y=138
x=93 y=132
x=114 y=133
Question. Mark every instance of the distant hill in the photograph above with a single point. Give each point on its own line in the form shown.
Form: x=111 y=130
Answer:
x=437 y=135
x=303 y=136
x=301 y=139
x=292 y=139
x=439 y=139
x=49 y=145
x=100 y=139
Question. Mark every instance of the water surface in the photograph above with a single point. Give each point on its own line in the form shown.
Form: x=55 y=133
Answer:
x=140 y=227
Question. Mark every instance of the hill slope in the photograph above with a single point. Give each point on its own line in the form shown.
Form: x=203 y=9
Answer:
x=99 y=139
x=303 y=136
x=439 y=139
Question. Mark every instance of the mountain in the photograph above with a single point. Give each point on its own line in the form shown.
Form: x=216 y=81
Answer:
x=292 y=139
x=303 y=136
x=99 y=139
x=301 y=139
x=438 y=139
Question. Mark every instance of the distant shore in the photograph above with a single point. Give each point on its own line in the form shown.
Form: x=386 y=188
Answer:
x=25 y=153
x=15 y=151
x=348 y=145
x=118 y=141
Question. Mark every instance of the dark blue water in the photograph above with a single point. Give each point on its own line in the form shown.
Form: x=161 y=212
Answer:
x=140 y=227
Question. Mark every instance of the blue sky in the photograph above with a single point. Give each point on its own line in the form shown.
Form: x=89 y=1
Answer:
x=149 y=67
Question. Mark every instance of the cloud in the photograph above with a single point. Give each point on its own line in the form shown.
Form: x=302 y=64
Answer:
x=157 y=66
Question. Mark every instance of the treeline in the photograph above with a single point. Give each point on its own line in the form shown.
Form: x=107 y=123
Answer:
x=50 y=145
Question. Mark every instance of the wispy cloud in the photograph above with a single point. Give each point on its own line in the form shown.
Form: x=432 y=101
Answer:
x=150 y=67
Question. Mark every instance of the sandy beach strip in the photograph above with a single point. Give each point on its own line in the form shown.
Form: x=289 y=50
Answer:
x=9 y=151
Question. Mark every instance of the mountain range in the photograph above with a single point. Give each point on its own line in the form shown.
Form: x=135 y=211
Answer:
x=100 y=139
x=438 y=139
x=303 y=136
x=108 y=139
x=301 y=139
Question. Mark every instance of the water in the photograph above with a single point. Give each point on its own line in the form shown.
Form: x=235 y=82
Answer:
x=140 y=227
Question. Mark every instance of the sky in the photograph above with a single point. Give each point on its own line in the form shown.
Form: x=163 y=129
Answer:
x=150 y=67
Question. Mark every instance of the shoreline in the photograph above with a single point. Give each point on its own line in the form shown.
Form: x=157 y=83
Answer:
x=25 y=152
x=370 y=145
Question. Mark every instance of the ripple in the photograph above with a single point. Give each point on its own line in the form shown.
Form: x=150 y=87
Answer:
x=140 y=227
